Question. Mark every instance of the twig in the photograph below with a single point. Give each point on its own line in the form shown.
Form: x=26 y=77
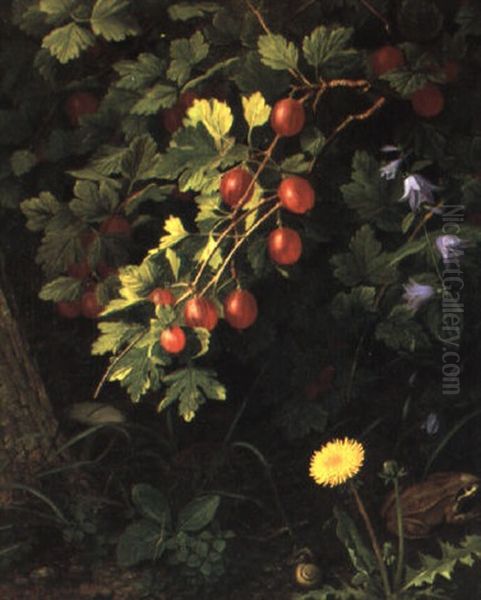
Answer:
x=372 y=9
x=356 y=117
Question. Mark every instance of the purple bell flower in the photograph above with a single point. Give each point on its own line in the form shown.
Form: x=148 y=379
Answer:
x=449 y=247
x=416 y=294
x=389 y=171
x=417 y=191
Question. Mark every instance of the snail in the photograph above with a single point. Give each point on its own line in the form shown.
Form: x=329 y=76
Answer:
x=307 y=575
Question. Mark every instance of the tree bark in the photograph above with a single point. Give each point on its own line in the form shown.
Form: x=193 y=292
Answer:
x=27 y=422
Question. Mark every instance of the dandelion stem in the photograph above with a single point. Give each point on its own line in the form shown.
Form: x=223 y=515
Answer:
x=374 y=542
x=400 y=532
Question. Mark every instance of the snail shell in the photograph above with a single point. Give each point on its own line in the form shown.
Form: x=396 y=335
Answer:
x=307 y=575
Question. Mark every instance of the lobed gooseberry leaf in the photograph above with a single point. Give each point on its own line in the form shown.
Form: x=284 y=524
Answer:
x=111 y=20
x=277 y=53
x=159 y=96
x=175 y=233
x=186 y=53
x=61 y=288
x=40 y=210
x=401 y=332
x=256 y=110
x=93 y=201
x=183 y=11
x=327 y=47
x=67 y=42
x=140 y=73
x=114 y=335
x=136 y=372
x=216 y=117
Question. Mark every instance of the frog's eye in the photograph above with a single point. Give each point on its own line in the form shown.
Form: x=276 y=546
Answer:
x=468 y=498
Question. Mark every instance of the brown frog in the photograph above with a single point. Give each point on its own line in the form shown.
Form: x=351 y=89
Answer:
x=445 y=497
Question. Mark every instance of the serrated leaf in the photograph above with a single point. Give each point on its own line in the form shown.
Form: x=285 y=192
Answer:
x=62 y=288
x=371 y=196
x=136 y=372
x=111 y=20
x=39 y=211
x=183 y=11
x=198 y=513
x=140 y=73
x=365 y=262
x=141 y=160
x=211 y=252
x=186 y=53
x=401 y=332
x=312 y=141
x=175 y=233
x=137 y=280
x=141 y=540
x=226 y=65
x=57 y=8
x=174 y=261
x=354 y=305
x=152 y=504
x=22 y=161
x=159 y=96
x=277 y=53
x=190 y=387
x=296 y=163
x=191 y=157
x=214 y=115
x=114 y=335
x=361 y=557
x=67 y=42
x=59 y=248
x=256 y=111
x=327 y=47
x=93 y=201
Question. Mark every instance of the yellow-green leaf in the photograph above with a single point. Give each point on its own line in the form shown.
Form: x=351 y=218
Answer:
x=211 y=253
x=256 y=111
x=174 y=262
x=214 y=115
x=175 y=233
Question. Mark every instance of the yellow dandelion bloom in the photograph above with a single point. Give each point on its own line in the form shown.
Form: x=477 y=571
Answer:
x=336 y=462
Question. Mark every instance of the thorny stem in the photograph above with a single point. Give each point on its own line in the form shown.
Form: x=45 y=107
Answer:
x=237 y=245
x=374 y=542
x=356 y=117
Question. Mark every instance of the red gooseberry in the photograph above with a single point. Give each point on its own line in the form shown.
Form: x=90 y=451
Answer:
x=79 y=104
x=69 y=309
x=89 y=304
x=287 y=117
x=115 y=225
x=162 y=297
x=296 y=194
x=386 y=59
x=428 y=101
x=173 y=339
x=200 y=312
x=79 y=270
x=234 y=185
x=284 y=246
x=240 y=309
x=451 y=70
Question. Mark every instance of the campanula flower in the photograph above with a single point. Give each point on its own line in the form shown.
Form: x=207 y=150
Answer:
x=416 y=294
x=417 y=191
x=431 y=424
x=449 y=246
x=389 y=171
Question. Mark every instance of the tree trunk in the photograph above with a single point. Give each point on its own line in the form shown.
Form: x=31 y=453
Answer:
x=27 y=422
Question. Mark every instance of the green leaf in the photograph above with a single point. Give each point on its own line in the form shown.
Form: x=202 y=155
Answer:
x=312 y=141
x=142 y=540
x=191 y=157
x=226 y=65
x=183 y=11
x=22 y=161
x=159 y=96
x=190 y=387
x=175 y=233
x=152 y=504
x=373 y=198
x=62 y=288
x=296 y=163
x=140 y=73
x=354 y=306
x=39 y=211
x=114 y=335
x=365 y=262
x=67 y=42
x=210 y=252
x=326 y=47
x=59 y=248
x=174 y=261
x=252 y=75
x=136 y=372
x=198 y=513
x=215 y=116
x=137 y=280
x=256 y=111
x=432 y=567
x=57 y=8
x=93 y=201
x=401 y=332
x=111 y=20
x=184 y=54
x=277 y=53
x=141 y=160
x=361 y=557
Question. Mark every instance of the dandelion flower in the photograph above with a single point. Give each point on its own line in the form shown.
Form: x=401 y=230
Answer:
x=336 y=462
